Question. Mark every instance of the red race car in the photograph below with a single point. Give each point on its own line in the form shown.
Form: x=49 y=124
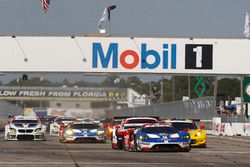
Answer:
x=119 y=131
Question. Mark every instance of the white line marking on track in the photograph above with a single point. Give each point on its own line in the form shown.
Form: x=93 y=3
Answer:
x=97 y=163
x=230 y=138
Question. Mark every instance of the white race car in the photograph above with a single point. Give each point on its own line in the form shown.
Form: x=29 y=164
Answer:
x=25 y=128
x=59 y=123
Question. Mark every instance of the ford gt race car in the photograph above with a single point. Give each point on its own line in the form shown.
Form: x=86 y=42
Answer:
x=198 y=135
x=58 y=122
x=117 y=138
x=157 y=137
x=83 y=132
x=25 y=128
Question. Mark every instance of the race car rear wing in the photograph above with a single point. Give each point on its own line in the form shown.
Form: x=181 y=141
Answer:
x=125 y=117
x=183 y=119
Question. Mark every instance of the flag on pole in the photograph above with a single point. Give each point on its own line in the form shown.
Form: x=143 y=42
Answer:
x=106 y=15
x=103 y=18
x=45 y=5
x=247 y=26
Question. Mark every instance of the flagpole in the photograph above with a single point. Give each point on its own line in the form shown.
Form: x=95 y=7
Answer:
x=247 y=26
x=109 y=27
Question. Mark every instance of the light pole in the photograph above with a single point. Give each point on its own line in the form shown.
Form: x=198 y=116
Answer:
x=173 y=88
x=162 y=92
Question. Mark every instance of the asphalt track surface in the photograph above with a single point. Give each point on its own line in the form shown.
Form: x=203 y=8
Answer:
x=221 y=151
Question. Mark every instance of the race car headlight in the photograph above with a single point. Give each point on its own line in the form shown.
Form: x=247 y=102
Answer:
x=69 y=132
x=143 y=137
x=99 y=132
x=93 y=131
x=38 y=129
x=198 y=133
x=185 y=137
x=175 y=135
x=110 y=129
x=56 y=127
x=13 y=130
x=76 y=131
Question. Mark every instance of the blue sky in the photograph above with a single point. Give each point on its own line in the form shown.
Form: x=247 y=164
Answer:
x=162 y=18
x=185 y=18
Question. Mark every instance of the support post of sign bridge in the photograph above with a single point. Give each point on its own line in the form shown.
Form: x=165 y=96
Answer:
x=241 y=96
x=173 y=88
x=215 y=89
x=162 y=92
x=189 y=92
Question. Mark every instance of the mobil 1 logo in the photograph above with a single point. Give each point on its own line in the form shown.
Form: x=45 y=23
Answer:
x=199 y=56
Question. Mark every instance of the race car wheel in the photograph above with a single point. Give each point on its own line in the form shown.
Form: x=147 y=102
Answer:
x=120 y=144
x=187 y=149
x=62 y=140
x=105 y=140
x=137 y=146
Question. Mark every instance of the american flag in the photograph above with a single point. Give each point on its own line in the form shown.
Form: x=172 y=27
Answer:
x=45 y=5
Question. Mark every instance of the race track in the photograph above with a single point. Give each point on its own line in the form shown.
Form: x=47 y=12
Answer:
x=221 y=151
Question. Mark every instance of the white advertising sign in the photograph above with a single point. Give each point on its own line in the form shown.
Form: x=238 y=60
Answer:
x=124 y=55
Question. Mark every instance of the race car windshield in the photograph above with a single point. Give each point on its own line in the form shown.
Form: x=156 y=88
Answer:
x=117 y=121
x=84 y=126
x=184 y=125
x=60 y=120
x=47 y=119
x=131 y=127
x=141 y=121
x=24 y=121
x=156 y=130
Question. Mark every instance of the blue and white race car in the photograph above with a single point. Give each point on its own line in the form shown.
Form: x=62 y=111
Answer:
x=157 y=137
x=25 y=128
x=83 y=132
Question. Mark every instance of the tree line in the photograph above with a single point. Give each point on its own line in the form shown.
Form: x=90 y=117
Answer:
x=228 y=88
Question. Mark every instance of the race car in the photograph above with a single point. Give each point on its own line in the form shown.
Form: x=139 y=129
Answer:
x=117 y=138
x=25 y=128
x=157 y=137
x=110 y=124
x=198 y=135
x=58 y=122
x=47 y=120
x=83 y=132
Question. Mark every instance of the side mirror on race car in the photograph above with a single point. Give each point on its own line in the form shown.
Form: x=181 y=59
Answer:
x=202 y=127
x=117 y=126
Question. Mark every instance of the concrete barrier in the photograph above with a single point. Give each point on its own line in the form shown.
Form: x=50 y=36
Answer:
x=246 y=129
x=238 y=129
x=229 y=129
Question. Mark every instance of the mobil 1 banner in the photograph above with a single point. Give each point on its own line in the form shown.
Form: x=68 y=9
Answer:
x=199 y=56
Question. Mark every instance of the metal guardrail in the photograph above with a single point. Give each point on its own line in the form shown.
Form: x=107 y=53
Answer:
x=234 y=118
x=202 y=108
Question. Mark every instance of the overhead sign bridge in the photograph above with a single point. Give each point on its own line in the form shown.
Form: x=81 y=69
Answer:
x=124 y=55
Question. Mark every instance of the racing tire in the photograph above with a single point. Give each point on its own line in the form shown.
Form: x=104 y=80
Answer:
x=62 y=140
x=120 y=145
x=187 y=149
x=137 y=147
x=203 y=146
x=104 y=141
